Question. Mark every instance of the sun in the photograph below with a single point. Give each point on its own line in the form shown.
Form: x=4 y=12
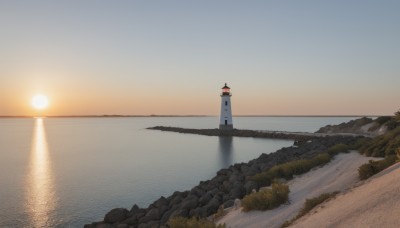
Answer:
x=40 y=102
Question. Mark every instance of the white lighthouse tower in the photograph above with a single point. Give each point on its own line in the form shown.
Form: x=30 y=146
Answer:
x=225 y=121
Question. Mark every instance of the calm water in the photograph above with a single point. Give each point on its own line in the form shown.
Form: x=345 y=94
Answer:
x=65 y=172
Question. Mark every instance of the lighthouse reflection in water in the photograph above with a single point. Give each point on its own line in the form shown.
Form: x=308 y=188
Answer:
x=40 y=189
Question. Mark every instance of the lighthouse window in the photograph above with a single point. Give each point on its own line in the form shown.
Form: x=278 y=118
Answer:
x=226 y=103
x=226 y=122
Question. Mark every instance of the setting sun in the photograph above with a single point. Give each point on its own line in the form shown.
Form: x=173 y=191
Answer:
x=40 y=102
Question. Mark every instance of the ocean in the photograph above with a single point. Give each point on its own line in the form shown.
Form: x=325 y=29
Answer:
x=65 y=172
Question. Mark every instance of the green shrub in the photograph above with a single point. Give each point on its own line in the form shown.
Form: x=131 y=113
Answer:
x=382 y=119
x=287 y=170
x=398 y=153
x=309 y=205
x=181 y=222
x=266 y=199
x=373 y=167
x=338 y=148
x=361 y=142
x=384 y=145
x=397 y=116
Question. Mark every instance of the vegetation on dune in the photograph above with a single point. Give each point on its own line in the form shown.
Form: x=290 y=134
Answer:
x=287 y=170
x=397 y=115
x=309 y=205
x=181 y=222
x=398 y=153
x=266 y=199
x=373 y=167
x=387 y=146
x=383 y=145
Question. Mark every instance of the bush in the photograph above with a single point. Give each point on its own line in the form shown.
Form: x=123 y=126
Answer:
x=287 y=170
x=338 y=148
x=397 y=116
x=309 y=205
x=266 y=199
x=181 y=222
x=361 y=142
x=398 y=153
x=373 y=167
x=382 y=119
x=384 y=145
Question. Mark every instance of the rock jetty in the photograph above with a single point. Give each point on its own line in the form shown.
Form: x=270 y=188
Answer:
x=208 y=196
x=297 y=136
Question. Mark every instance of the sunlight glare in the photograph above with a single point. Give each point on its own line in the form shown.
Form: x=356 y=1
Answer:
x=40 y=102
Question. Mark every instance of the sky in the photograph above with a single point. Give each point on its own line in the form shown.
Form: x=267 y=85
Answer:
x=97 y=57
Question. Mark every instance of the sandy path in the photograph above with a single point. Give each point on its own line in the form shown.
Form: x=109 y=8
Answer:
x=376 y=203
x=340 y=174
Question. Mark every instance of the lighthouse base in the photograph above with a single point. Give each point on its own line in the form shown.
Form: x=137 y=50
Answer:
x=226 y=127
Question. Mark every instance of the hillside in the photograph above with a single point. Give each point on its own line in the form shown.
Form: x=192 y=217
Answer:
x=375 y=203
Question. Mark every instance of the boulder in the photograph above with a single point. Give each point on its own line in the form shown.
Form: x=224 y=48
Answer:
x=116 y=215
x=152 y=214
x=190 y=202
x=136 y=210
x=162 y=201
x=249 y=186
x=212 y=206
x=229 y=203
x=205 y=199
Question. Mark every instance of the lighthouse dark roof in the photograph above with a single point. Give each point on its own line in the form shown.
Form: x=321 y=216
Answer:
x=225 y=87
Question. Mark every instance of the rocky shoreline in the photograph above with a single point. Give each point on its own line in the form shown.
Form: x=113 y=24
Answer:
x=208 y=196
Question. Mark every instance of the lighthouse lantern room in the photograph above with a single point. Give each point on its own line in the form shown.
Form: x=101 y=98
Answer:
x=225 y=122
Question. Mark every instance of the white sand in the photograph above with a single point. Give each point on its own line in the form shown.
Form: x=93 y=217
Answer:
x=340 y=174
x=375 y=203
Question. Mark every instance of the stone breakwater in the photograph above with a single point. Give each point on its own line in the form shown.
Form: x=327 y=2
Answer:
x=204 y=199
x=240 y=133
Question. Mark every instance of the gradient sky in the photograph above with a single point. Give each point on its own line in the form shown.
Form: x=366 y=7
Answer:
x=172 y=57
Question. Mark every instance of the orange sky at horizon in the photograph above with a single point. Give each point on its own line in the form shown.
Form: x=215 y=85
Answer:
x=140 y=58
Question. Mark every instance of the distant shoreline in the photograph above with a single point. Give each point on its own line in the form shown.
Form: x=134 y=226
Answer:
x=114 y=116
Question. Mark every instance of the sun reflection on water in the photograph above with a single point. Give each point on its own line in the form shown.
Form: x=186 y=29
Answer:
x=40 y=197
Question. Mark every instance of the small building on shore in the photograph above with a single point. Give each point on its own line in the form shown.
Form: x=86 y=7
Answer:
x=225 y=121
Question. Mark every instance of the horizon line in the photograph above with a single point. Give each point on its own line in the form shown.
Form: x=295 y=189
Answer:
x=153 y=115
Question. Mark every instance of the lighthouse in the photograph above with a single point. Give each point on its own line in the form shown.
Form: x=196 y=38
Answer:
x=225 y=121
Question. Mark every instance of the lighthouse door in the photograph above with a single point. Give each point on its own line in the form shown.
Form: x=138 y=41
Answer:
x=226 y=122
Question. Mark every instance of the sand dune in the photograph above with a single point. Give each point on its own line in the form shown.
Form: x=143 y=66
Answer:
x=340 y=174
x=375 y=203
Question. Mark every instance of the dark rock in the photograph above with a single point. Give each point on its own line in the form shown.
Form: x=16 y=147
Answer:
x=197 y=191
x=151 y=224
x=122 y=226
x=205 y=199
x=212 y=206
x=179 y=212
x=176 y=200
x=189 y=203
x=162 y=201
x=249 y=186
x=236 y=192
x=132 y=221
x=229 y=203
x=116 y=215
x=136 y=210
x=151 y=215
